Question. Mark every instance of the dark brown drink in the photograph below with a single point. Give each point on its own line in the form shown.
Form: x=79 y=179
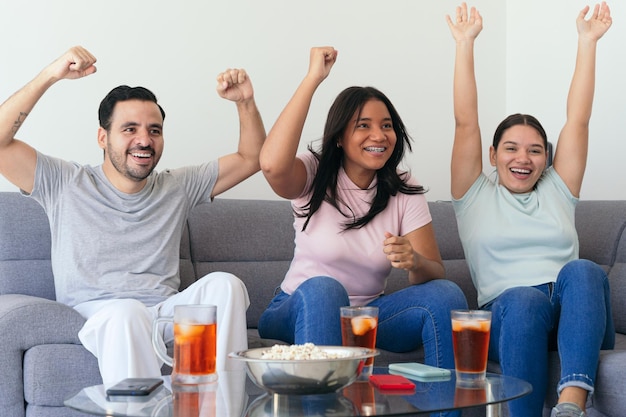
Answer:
x=470 y=340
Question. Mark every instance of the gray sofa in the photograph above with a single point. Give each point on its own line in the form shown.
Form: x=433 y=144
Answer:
x=42 y=361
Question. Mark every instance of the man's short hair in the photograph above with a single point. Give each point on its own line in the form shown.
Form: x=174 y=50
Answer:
x=123 y=93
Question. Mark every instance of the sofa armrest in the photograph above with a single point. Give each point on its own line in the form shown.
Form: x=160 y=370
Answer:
x=27 y=321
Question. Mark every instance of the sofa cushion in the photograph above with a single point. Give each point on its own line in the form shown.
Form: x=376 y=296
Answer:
x=241 y=239
x=617 y=280
x=261 y=280
x=24 y=248
x=53 y=373
x=600 y=224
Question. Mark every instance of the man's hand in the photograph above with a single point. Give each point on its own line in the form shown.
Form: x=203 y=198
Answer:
x=235 y=85
x=75 y=63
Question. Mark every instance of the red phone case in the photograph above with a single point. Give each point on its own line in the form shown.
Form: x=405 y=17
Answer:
x=392 y=382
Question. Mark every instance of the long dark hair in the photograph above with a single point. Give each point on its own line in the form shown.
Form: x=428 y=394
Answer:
x=324 y=186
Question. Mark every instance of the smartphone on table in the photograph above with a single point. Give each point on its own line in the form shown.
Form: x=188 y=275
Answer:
x=396 y=383
x=134 y=387
x=419 y=370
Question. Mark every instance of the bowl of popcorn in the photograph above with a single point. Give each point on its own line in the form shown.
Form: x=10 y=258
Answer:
x=304 y=369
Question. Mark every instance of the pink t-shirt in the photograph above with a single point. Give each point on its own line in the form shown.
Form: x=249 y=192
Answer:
x=353 y=257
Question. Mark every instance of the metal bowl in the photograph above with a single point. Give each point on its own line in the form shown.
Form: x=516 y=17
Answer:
x=305 y=376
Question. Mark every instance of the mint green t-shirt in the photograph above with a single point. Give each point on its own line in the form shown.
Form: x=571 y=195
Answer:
x=512 y=240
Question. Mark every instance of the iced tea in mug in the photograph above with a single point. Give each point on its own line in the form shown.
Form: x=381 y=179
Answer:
x=194 y=348
x=358 y=328
x=470 y=341
x=195 y=343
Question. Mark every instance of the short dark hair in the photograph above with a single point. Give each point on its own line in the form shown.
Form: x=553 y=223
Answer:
x=123 y=93
x=519 y=119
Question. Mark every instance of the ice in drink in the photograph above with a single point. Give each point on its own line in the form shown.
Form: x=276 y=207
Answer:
x=358 y=328
x=470 y=341
x=359 y=331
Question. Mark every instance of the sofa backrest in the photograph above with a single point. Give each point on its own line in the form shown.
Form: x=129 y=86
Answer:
x=253 y=239
x=601 y=227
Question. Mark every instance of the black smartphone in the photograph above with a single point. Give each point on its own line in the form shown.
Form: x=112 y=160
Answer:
x=135 y=387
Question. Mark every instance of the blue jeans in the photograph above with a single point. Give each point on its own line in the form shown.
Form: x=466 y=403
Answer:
x=576 y=310
x=407 y=319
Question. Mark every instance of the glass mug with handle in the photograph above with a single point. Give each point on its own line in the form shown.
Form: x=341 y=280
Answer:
x=195 y=343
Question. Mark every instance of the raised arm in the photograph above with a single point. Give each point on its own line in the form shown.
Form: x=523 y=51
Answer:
x=235 y=85
x=284 y=172
x=17 y=159
x=570 y=158
x=466 y=163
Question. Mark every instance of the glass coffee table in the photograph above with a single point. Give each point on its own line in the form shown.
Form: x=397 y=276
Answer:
x=234 y=395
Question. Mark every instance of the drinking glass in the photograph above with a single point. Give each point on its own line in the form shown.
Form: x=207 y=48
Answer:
x=195 y=344
x=358 y=328
x=470 y=341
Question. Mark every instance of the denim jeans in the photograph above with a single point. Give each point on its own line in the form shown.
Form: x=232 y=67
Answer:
x=408 y=318
x=576 y=311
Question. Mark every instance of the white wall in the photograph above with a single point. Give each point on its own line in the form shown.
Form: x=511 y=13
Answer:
x=525 y=56
x=541 y=52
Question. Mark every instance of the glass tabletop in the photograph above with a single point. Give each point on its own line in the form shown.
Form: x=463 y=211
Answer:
x=234 y=395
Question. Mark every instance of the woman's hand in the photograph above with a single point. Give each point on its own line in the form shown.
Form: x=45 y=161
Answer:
x=416 y=252
x=399 y=252
x=321 y=60
x=467 y=26
x=597 y=25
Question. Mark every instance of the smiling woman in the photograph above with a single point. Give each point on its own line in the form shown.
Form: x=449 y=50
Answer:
x=368 y=142
x=518 y=231
x=356 y=216
x=520 y=155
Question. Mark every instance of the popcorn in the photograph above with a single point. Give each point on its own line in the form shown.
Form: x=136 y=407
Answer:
x=300 y=352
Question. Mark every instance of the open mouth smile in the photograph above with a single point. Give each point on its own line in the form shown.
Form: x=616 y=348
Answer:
x=376 y=149
x=142 y=154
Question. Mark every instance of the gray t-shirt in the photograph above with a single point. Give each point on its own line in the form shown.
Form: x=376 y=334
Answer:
x=107 y=244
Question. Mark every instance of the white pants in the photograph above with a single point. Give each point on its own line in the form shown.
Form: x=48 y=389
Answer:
x=119 y=332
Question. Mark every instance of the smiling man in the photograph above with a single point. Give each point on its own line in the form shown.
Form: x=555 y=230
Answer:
x=116 y=228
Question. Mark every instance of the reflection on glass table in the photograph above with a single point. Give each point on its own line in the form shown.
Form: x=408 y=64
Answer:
x=225 y=397
x=234 y=395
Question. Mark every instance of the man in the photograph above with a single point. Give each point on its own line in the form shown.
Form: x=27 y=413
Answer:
x=116 y=227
